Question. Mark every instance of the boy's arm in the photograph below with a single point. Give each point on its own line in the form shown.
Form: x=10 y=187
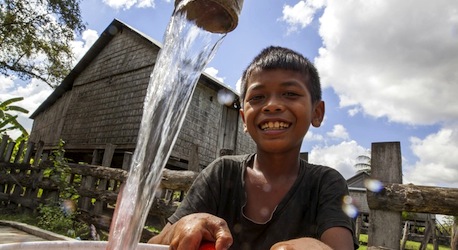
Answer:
x=335 y=238
x=338 y=238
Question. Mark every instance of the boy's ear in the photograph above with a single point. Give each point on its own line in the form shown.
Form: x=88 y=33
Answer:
x=318 y=114
x=243 y=119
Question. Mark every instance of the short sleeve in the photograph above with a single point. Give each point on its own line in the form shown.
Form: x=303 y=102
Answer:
x=330 y=206
x=200 y=198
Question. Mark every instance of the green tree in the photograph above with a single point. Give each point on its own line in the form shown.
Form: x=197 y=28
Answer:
x=363 y=164
x=8 y=121
x=35 y=38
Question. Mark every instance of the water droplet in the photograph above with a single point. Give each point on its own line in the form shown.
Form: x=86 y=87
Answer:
x=264 y=211
x=68 y=207
x=237 y=228
x=225 y=97
x=348 y=207
x=373 y=185
x=266 y=187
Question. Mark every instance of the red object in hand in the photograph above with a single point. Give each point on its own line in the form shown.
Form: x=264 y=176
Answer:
x=207 y=245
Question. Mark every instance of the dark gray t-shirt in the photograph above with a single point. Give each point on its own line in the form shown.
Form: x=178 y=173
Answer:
x=313 y=204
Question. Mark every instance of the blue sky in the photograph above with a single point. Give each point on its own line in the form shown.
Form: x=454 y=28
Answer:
x=389 y=71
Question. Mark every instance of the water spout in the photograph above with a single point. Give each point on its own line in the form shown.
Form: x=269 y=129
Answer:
x=216 y=16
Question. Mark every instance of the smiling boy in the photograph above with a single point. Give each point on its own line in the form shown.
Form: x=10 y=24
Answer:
x=271 y=199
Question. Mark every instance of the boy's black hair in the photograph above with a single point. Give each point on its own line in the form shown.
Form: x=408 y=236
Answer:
x=275 y=57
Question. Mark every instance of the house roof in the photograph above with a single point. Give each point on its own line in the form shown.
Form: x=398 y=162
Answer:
x=357 y=181
x=113 y=28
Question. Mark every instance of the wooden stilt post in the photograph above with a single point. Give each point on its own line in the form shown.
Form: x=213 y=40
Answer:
x=386 y=166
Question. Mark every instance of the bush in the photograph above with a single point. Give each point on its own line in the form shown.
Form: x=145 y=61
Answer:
x=60 y=218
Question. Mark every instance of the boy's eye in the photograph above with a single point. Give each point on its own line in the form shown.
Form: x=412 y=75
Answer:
x=255 y=98
x=290 y=94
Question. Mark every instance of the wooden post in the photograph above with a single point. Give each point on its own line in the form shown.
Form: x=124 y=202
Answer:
x=427 y=234
x=126 y=160
x=18 y=155
x=405 y=235
x=454 y=235
x=193 y=163
x=103 y=183
x=5 y=139
x=9 y=151
x=358 y=225
x=386 y=166
x=36 y=159
x=28 y=153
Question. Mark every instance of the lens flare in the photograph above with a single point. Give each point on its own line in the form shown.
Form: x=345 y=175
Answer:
x=373 y=185
x=348 y=207
x=225 y=97
x=68 y=207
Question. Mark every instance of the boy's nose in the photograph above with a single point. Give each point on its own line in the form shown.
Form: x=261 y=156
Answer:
x=273 y=105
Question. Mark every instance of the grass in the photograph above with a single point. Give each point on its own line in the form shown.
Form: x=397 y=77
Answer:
x=30 y=219
x=410 y=245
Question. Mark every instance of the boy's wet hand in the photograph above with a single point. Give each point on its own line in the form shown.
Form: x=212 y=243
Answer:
x=193 y=229
x=301 y=244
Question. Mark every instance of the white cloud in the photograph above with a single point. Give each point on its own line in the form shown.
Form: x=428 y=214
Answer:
x=6 y=83
x=214 y=73
x=339 y=132
x=127 y=4
x=394 y=59
x=310 y=136
x=354 y=111
x=341 y=157
x=436 y=164
x=238 y=85
x=80 y=48
x=300 y=15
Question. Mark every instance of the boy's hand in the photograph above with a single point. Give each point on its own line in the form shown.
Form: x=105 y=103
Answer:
x=301 y=243
x=191 y=230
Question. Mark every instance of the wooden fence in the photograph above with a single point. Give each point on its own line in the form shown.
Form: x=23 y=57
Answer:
x=386 y=206
x=24 y=185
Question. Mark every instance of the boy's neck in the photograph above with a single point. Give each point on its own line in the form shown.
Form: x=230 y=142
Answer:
x=277 y=164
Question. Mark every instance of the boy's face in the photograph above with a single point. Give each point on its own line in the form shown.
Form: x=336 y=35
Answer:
x=278 y=110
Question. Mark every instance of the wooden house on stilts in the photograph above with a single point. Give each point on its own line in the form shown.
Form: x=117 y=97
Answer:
x=99 y=106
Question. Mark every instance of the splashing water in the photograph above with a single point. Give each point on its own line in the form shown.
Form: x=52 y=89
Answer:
x=186 y=52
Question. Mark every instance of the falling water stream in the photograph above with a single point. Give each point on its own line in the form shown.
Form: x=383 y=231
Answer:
x=186 y=51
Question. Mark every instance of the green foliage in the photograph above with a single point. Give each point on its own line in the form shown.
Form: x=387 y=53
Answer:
x=363 y=239
x=152 y=229
x=60 y=217
x=8 y=121
x=35 y=36
x=60 y=173
x=57 y=218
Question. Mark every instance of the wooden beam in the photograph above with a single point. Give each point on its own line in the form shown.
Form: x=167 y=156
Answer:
x=412 y=198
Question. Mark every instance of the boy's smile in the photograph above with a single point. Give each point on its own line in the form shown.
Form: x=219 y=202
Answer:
x=274 y=125
x=277 y=109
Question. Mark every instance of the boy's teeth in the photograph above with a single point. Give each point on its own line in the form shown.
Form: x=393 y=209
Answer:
x=274 y=125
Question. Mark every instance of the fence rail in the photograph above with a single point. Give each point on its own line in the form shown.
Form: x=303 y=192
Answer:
x=24 y=185
x=386 y=206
